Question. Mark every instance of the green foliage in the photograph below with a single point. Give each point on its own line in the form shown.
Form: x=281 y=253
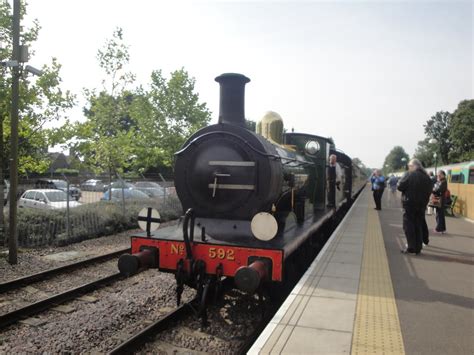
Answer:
x=42 y=100
x=104 y=139
x=393 y=161
x=251 y=125
x=362 y=166
x=177 y=112
x=462 y=132
x=48 y=227
x=67 y=171
x=438 y=127
x=135 y=129
x=425 y=152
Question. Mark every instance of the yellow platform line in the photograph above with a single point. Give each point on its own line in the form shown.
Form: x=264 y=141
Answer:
x=376 y=325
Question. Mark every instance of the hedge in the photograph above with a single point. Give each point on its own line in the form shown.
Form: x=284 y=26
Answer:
x=49 y=227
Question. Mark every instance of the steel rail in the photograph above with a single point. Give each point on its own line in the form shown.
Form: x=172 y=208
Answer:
x=42 y=275
x=140 y=338
x=37 y=307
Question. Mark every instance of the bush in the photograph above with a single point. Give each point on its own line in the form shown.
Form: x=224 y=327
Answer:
x=49 y=227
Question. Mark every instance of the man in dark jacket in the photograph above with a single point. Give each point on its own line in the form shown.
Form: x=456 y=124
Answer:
x=416 y=189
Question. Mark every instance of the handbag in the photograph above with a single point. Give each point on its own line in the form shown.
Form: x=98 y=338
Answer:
x=435 y=201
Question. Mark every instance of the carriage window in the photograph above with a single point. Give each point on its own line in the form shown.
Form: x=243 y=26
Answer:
x=471 y=176
x=458 y=178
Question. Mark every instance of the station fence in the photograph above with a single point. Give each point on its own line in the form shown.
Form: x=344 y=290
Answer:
x=93 y=215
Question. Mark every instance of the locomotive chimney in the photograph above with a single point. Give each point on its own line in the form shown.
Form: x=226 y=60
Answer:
x=232 y=98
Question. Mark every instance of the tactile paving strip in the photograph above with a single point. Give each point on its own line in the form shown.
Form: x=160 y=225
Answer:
x=376 y=326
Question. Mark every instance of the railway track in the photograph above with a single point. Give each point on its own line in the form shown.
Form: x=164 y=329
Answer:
x=43 y=275
x=140 y=338
x=47 y=303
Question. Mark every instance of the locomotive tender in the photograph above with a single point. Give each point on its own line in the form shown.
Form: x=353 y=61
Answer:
x=252 y=201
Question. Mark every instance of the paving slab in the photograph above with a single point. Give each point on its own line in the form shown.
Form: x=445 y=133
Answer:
x=435 y=290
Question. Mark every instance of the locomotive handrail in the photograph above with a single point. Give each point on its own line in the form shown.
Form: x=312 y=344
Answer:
x=189 y=215
x=276 y=157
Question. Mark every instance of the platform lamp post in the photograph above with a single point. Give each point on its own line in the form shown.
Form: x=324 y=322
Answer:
x=404 y=161
x=19 y=56
x=435 y=155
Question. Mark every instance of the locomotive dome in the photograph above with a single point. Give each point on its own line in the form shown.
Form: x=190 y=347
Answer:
x=271 y=127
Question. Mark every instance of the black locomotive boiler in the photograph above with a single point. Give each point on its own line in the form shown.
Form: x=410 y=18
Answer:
x=252 y=201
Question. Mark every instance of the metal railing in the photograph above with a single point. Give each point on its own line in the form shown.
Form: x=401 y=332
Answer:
x=88 y=208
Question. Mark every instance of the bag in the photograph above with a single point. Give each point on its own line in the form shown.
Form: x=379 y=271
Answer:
x=435 y=201
x=447 y=198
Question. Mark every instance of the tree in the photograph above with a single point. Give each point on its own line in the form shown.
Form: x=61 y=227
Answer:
x=462 y=132
x=136 y=129
x=362 y=166
x=394 y=160
x=175 y=113
x=41 y=101
x=425 y=152
x=438 y=127
x=105 y=139
x=251 y=125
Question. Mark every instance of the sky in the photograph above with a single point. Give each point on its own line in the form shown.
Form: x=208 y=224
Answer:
x=368 y=74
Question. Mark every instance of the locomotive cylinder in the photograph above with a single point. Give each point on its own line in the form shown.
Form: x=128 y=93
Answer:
x=249 y=278
x=129 y=264
x=232 y=98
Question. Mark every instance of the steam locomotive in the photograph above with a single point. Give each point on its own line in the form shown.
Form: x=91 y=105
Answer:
x=253 y=201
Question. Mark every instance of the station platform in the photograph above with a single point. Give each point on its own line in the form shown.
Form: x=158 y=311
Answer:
x=362 y=296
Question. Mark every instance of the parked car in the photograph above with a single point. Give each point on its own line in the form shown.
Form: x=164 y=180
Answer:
x=92 y=185
x=6 y=191
x=47 y=199
x=128 y=194
x=118 y=185
x=74 y=192
x=152 y=189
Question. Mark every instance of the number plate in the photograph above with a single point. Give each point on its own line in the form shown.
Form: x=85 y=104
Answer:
x=221 y=253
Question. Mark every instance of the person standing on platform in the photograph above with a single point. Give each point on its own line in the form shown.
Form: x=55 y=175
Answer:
x=415 y=187
x=433 y=181
x=392 y=182
x=334 y=175
x=439 y=191
x=378 y=186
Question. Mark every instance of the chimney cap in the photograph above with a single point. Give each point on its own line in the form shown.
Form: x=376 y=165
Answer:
x=237 y=76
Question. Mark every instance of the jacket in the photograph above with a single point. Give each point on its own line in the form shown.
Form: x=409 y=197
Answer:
x=416 y=188
x=440 y=189
x=378 y=182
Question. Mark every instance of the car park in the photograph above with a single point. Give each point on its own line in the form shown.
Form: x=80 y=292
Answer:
x=119 y=185
x=151 y=188
x=127 y=194
x=74 y=192
x=46 y=199
x=6 y=191
x=93 y=185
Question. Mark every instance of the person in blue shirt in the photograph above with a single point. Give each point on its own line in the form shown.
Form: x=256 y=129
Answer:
x=378 y=186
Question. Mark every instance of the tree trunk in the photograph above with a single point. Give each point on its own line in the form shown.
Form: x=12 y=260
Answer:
x=2 y=186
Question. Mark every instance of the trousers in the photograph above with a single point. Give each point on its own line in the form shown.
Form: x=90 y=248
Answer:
x=440 y=220
x=378 y=198
x=414 y=225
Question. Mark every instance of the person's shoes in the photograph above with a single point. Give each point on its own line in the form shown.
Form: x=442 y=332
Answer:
x=426 y=242
x=409 y=251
